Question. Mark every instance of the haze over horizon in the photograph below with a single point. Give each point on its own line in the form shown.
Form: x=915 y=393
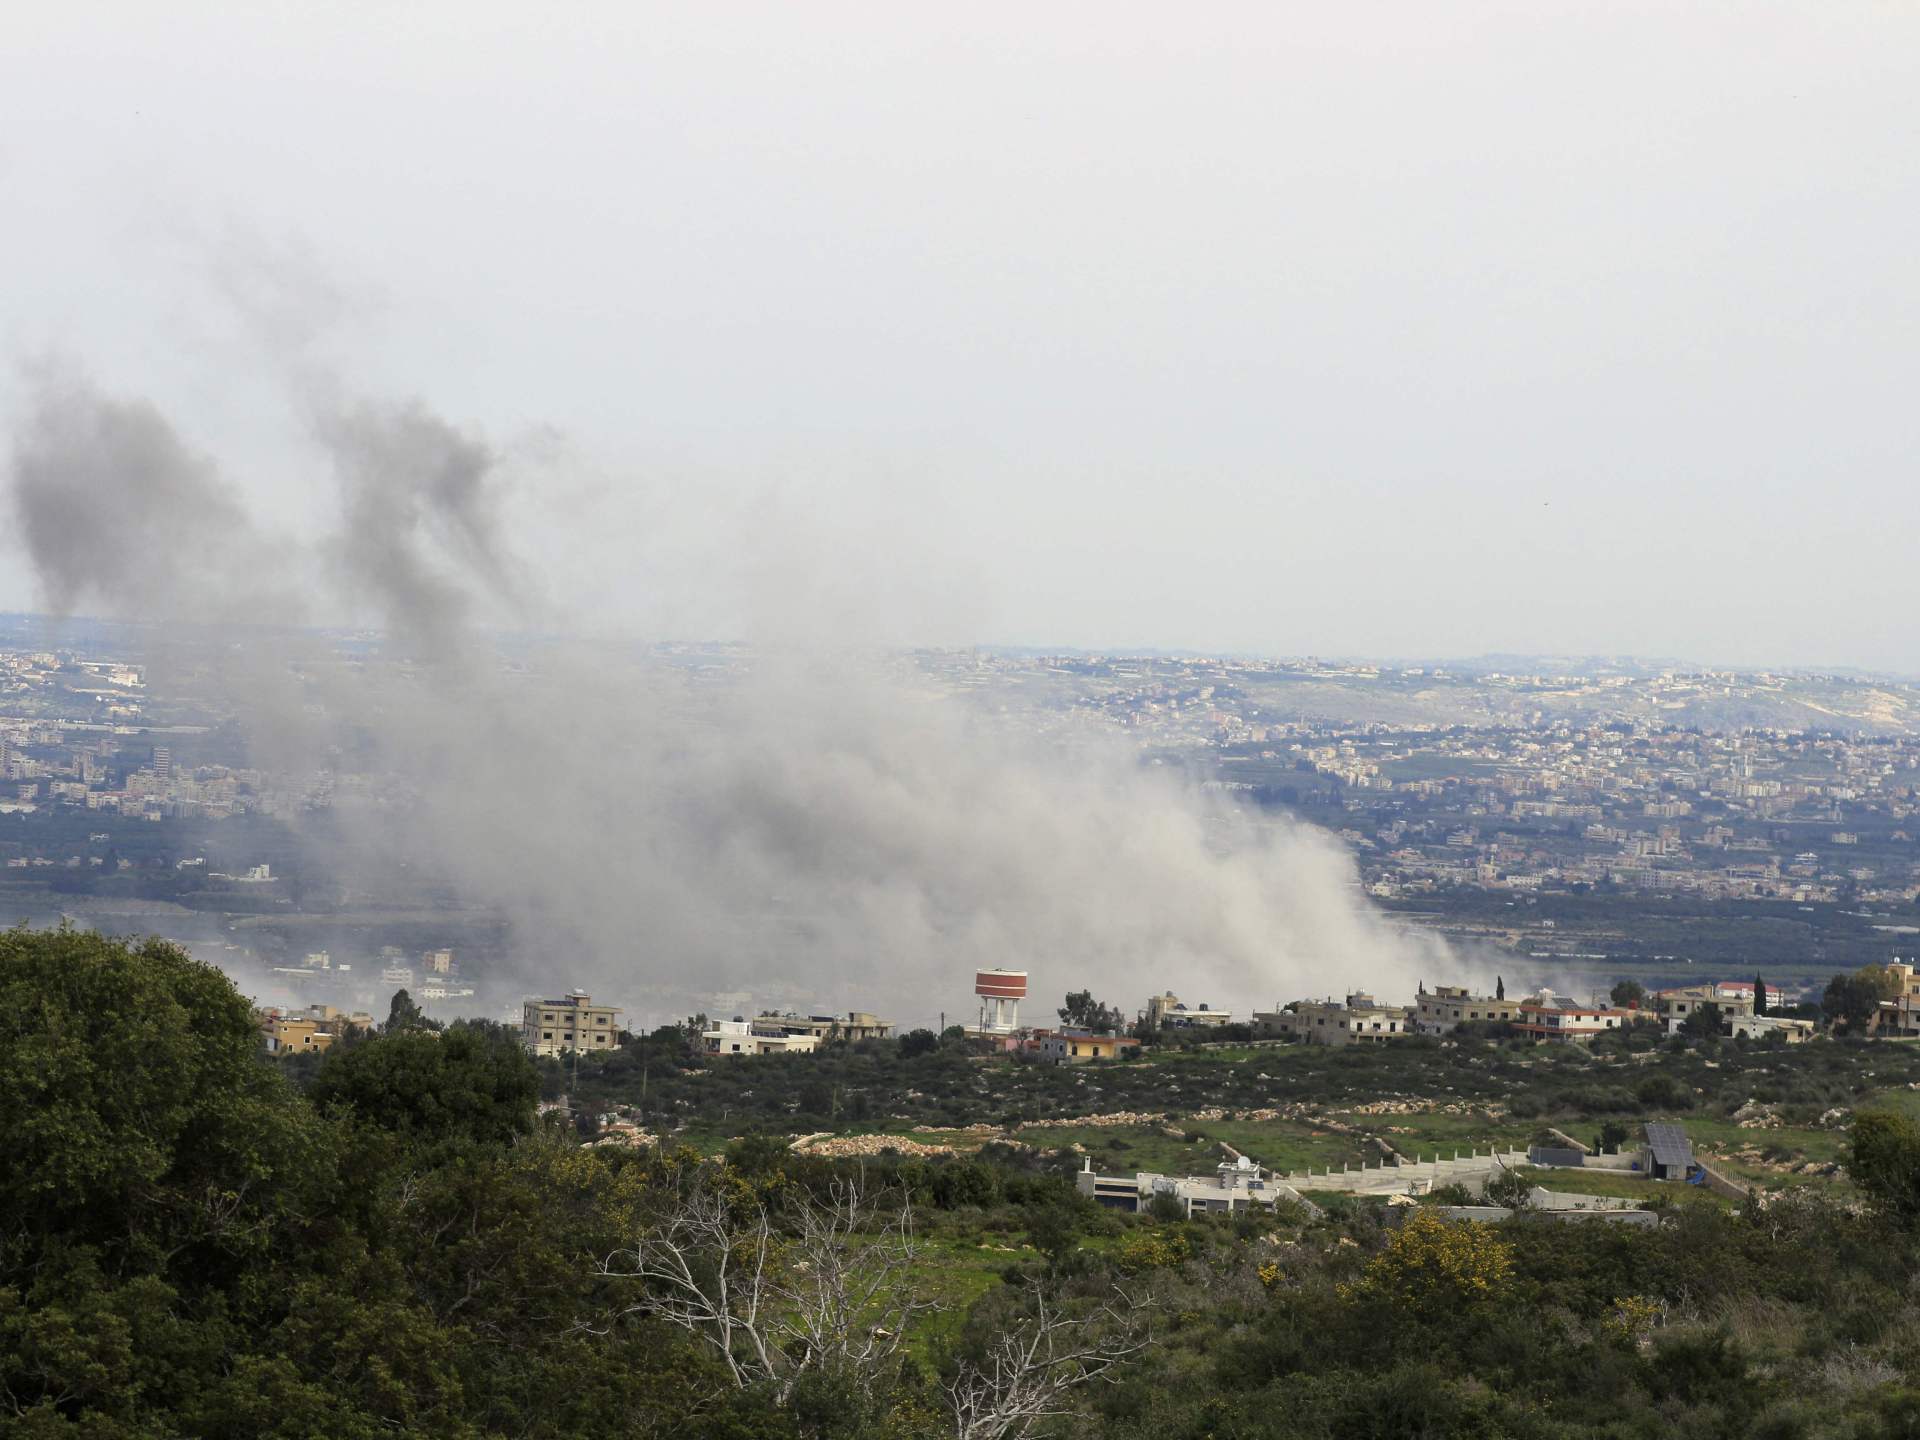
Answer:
x=1402 y=331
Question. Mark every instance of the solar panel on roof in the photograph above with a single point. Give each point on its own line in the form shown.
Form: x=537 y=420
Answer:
x=1670 y=1146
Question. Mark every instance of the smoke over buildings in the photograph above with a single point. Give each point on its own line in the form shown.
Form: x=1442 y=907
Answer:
x=813 y=821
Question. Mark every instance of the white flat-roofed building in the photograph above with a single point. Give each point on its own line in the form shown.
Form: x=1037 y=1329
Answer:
x=1168 y=1011
x=1543 y=1020
x=765 y=1036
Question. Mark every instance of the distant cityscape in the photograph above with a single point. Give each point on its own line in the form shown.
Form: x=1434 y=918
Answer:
x=1460 y=792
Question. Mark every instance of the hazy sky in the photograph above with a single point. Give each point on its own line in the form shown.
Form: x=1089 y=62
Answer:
x=1392 y=329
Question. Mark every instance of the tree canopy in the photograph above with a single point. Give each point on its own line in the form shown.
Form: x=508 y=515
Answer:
x=1853 y=1000
x=1083 y=1012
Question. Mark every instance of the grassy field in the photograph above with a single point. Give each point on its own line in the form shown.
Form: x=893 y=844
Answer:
x=1285 y=1145
x=953 y=1273
x=1280 y=1144
x=1427 y=1134
x=1125 y=1148
x=1788 y=1144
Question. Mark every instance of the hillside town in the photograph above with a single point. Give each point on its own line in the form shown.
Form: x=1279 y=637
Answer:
x=1719 y=785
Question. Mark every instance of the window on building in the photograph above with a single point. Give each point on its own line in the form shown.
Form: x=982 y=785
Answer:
x=546 y=1034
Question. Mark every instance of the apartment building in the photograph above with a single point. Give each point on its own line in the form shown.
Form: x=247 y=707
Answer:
x=555 y=1027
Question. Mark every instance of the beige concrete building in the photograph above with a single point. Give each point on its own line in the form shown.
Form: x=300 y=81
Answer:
x=294 y=1037
x=294 y=1032
x=1445 y=1009
x=554 y=1027
x=1359 y=1020
x=1901 y=1015
x=1675 y=1006
x=854 y=1025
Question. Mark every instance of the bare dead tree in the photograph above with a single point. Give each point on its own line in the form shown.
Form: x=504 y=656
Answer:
x=706 y=1265
x=1031 y=1369
x=849 y=1295
x=777 y=1291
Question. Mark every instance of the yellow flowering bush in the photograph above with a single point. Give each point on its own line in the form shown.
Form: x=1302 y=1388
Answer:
x=1632 y=1319
x=1433 y=1266
x=1150 y=1250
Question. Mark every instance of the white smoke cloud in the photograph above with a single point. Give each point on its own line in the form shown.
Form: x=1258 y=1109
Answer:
x=814 y=824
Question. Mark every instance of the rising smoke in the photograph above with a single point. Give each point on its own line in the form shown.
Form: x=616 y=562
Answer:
x=815 y=826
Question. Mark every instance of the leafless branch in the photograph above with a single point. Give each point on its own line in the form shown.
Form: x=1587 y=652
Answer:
x=818 y=1283
x=1030 y=1370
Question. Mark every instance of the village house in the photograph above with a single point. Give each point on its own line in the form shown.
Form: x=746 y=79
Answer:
x=1901 y=1015
x=1168 y=1012
x=313 y=1029
x=764 y=1036
x=854 y=1025
x=1543 y=1020
x=1077 y=1047
x=1446 y=1008
x=1360 y=1019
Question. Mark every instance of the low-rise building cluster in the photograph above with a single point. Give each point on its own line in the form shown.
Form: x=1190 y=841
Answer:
x=308 y=1030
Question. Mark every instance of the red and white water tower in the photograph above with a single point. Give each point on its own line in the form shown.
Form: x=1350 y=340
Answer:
x=1000 y=992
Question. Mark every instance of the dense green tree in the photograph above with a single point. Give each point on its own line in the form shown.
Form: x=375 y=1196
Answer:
x=404 y=1014
x=1883 y=1158
x=1703 y=1023
x=1611 y=1137
x=1853 y=1000
x=1083 y=1012
x=468 y=1082
x=132 y=1098
x=1628 y=994
x=918 y=1042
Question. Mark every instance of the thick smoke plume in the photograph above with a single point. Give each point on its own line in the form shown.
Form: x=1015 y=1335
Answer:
x=814 y=828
